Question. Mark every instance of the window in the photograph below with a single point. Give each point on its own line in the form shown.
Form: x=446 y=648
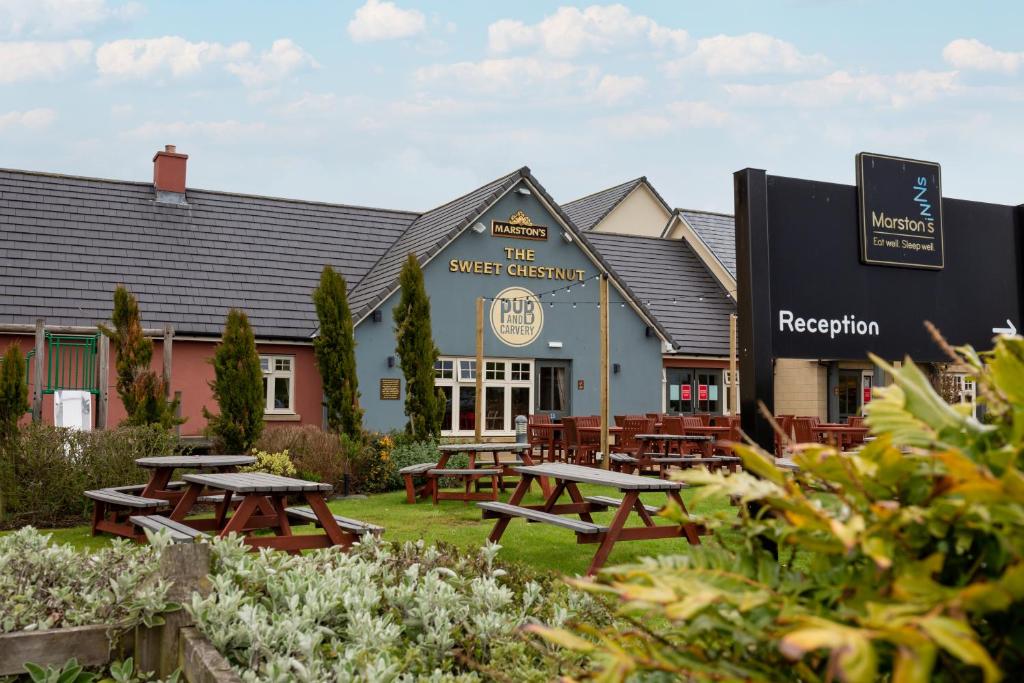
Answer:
x=278 y=383
x=508 y=391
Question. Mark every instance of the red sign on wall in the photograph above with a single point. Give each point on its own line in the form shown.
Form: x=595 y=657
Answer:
x=867 y=394
x=685 y=392
x=702 y=392
x=579 y=385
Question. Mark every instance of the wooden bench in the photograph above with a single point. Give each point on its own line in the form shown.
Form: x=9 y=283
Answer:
x=617 y=502
x=410 y=473
x=495 y=510
x=111 y=508
x=468 y=476
x=307 y=516
x=138 y=488
x=180 y=533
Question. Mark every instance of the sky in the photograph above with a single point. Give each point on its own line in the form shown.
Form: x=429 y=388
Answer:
x=407 y=104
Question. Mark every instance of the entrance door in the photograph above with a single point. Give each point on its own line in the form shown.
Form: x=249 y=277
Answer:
x=848 y=394
x=553 y=393
x=681 y=399
x=709 y=391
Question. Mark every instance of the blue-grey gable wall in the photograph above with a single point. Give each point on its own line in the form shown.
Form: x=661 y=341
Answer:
x=635 y=389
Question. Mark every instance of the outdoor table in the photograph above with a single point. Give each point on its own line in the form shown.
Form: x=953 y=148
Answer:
x=163 y=468
x=475 y=451
x=554 y=433
x=254 y=488
x=649 y=443
x=567 y=477
x=839 y=435
x=613 y=432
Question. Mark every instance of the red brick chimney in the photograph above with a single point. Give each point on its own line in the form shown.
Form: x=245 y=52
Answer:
x=169 y=170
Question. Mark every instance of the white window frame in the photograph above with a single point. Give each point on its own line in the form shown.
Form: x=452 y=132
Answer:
x=468 y=379
x=270 y=373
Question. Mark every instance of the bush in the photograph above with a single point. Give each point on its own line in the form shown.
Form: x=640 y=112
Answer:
x=410 y=453
x=272 y=463
x=46 y=585
x=237 y=387
x=902 y=561
x=54 y=466
x=316 y=454
x=384 y=612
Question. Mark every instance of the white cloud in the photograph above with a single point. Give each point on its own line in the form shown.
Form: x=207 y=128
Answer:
x=613 y=89
x=966 y=53
x=60 y=17
x=674 y=116
x=283 y=59
x=169 y=55
x=571 y=31
x=842 y=87
x=28 y=61
x=311 y=103
x=32 y=119
x=377 y=20
x=221 y=131
x=498 y=75
x=748 y=54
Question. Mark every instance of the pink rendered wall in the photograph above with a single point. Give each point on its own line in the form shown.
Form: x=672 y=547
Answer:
x=191 y=374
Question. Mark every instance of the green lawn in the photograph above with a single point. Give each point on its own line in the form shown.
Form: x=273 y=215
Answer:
x=539 y=545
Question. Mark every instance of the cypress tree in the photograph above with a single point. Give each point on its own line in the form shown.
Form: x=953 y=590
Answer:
x=142 y=391
x=417 y=354
x=13 y=404
x=237 y=387
x=335 y=349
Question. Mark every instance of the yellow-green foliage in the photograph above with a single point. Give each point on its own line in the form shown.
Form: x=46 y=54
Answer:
x=272 y=463
x=903 y=561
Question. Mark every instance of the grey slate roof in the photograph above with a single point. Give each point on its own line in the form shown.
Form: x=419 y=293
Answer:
x=586 y=212
x=68 y=241
x=425 y=236
x=718 y=230
x=657 y=270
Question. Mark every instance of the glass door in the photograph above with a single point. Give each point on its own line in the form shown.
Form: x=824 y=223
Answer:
x=848 y=393
x=681 y=400
x=709 y=391
x=553 y=393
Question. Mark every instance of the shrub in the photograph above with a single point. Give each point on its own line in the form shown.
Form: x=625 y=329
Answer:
x=417 y=354
x=904 y=560
x=272 y=463
x=237 y=388
x=373 y=470
x=54 y=466
x=46 y=585
x=316 y=454
x=335 y=348
x=13 y=404
x=410 y=453
x=142 y=391
x=383 y=612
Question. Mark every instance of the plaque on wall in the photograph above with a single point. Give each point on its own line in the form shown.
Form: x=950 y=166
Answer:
x=390 y=389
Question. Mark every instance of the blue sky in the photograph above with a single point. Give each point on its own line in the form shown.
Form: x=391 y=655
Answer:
x=409 y=103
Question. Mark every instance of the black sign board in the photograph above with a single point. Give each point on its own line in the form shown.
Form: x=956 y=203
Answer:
x=804 y=291
x=390 y=389
x=519 y=231
x=900 y=209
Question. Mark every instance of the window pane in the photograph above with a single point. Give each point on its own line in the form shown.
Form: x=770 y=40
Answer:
x=520 y=372
x=467 y=408
x=552 y=388
x=494 y=408
x=264 y=364
x=283 y=364
x=281 y=393
x=446 y=423
x=267 y=400
x=495 y=370
x=443 y=369
x=520 y=402
x=467 y=370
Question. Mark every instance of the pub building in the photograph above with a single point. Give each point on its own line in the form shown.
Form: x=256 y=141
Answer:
x=190 y=255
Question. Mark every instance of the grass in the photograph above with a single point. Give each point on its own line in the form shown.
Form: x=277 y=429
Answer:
x=541 y=546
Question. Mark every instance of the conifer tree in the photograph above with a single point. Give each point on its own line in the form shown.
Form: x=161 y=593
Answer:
x=13 y=404
x=143 y=392
x=237 y=387
x=335 y=348
x=417 y=354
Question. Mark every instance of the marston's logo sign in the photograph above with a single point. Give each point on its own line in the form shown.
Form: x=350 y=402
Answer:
x=517 y=316
x=519 y=226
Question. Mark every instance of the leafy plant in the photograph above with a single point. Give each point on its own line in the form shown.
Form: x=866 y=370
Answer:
x=904 y=560
x=13 y=404
x=237 y=387
x=335 y=349
x=272 y=463
x=142 y=390
x=417 y=354
x=317 y=455
x=71 y=672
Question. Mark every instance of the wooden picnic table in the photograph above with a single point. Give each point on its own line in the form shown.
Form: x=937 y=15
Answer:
x=613 y=432
x=653 y=443
x=163 y=468
x=478 y=453
x=254 y=488
x=839 y=435
x=567 y=477
x=554 y=434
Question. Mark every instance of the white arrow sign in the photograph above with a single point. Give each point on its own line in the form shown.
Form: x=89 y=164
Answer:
x=1010 y=329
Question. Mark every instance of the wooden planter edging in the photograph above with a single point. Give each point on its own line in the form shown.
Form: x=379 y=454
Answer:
x=200 y=662
x=90 y=645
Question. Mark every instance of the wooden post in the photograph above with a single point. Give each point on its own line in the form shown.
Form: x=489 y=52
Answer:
x=103 y=402
x=168 y=357
x=734 y=387
x=37 y=377
x=479 y=421
x=606 y=456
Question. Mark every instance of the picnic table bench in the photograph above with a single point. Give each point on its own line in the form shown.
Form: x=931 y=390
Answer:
x=566 y=478
x=494 y=471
